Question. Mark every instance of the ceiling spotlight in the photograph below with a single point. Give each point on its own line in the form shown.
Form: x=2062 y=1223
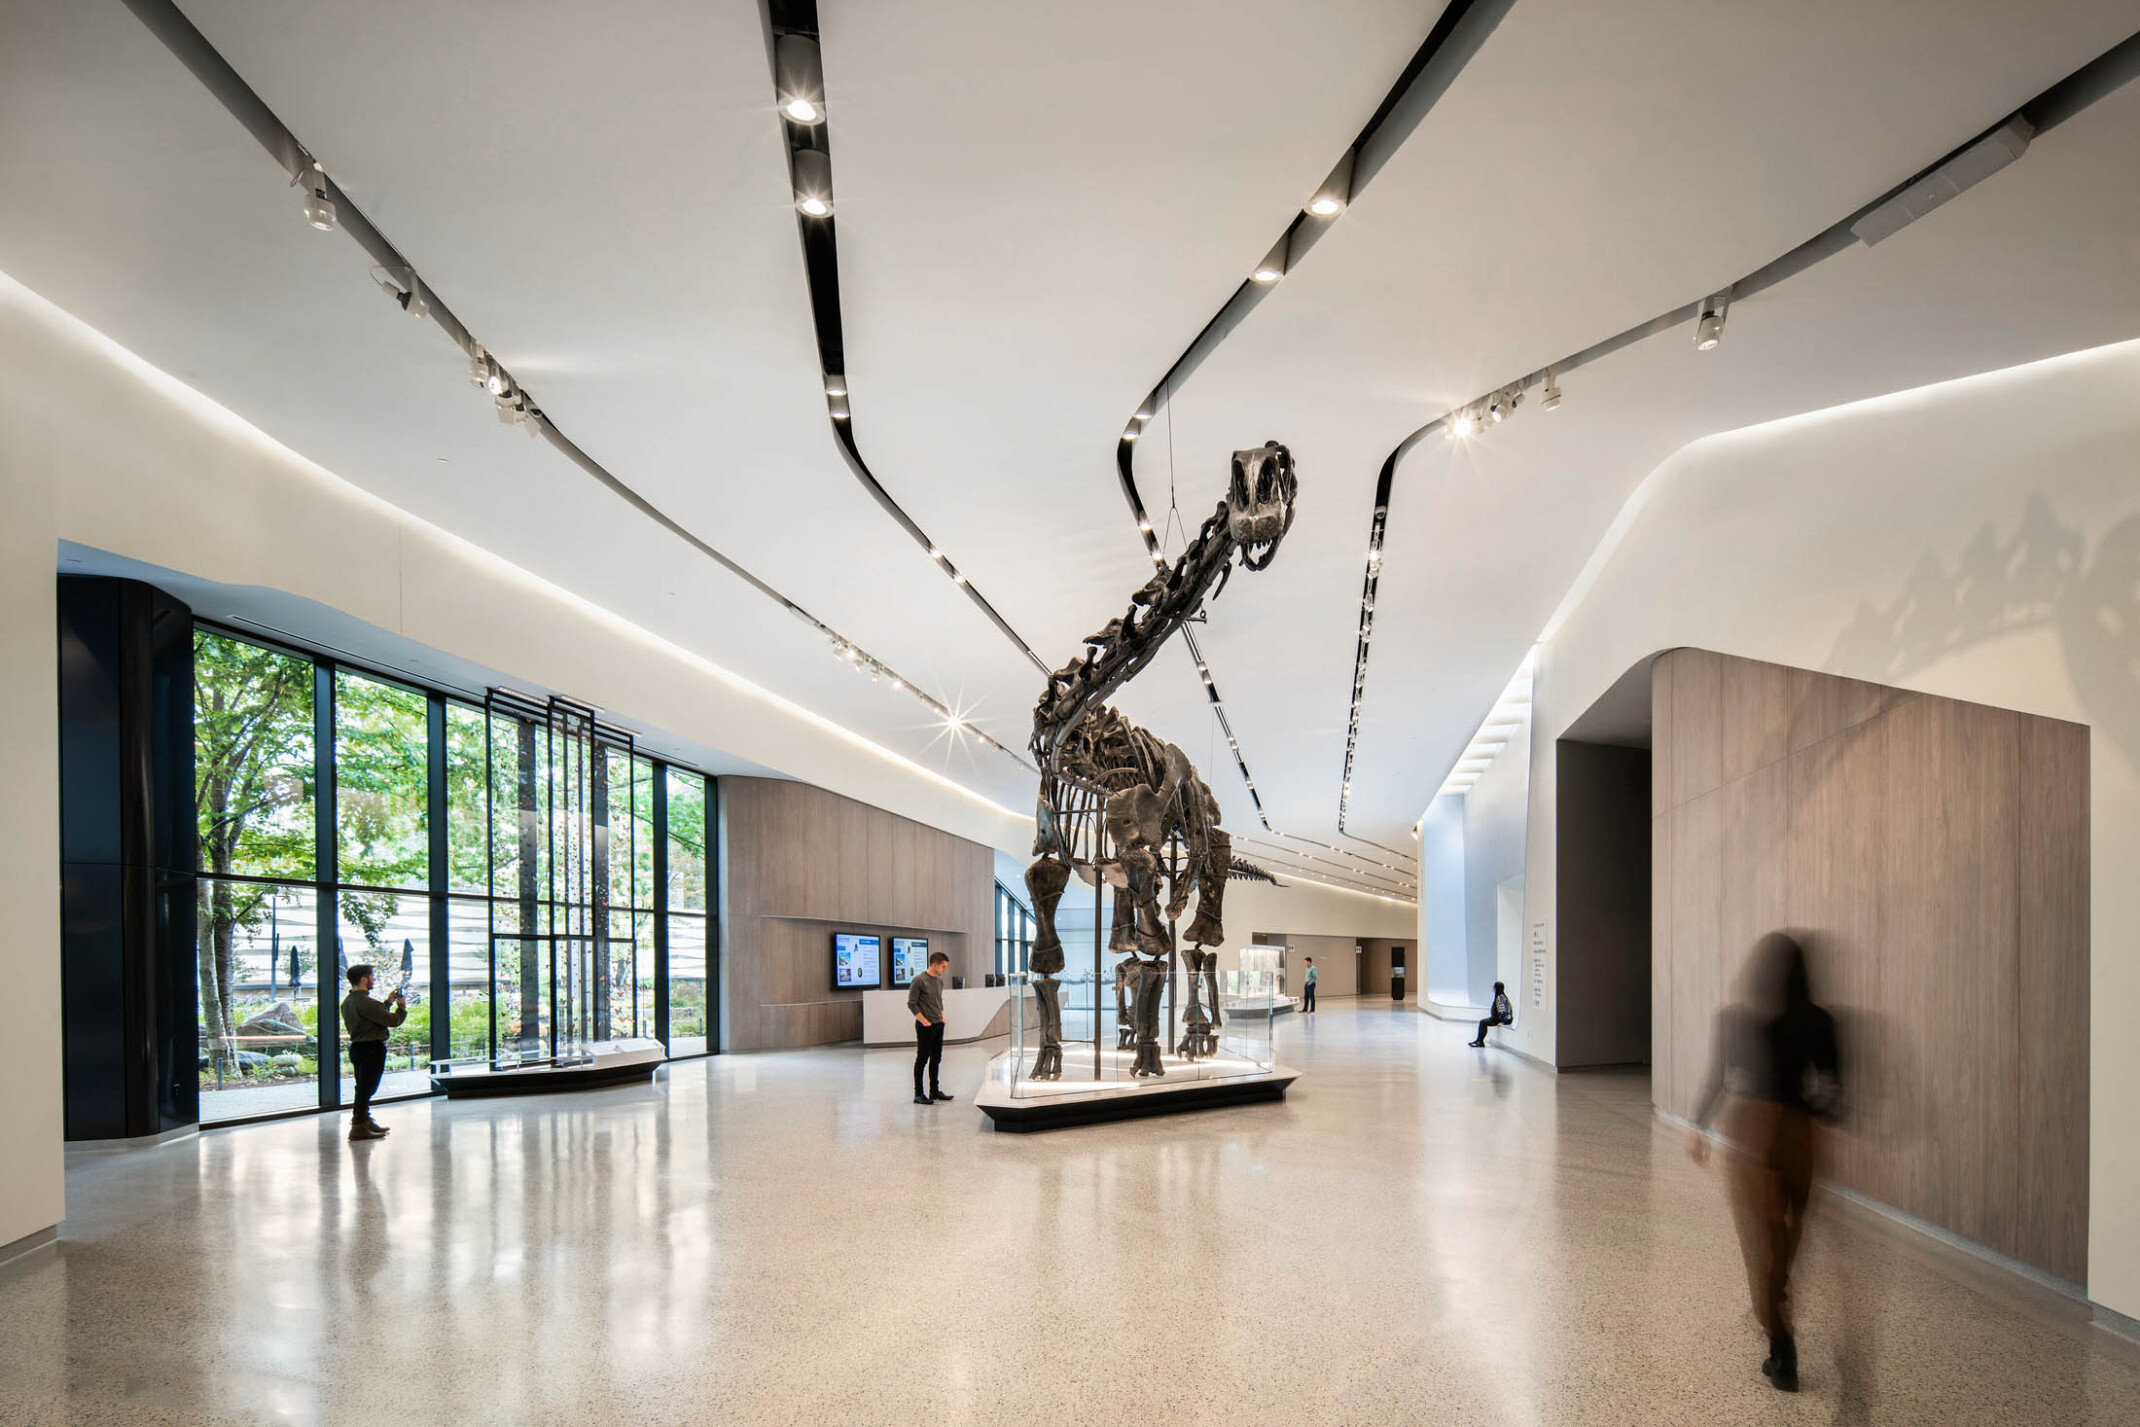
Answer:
x=935 y=554
x=1496 y=412
x=478 y=365
x=813 y=182
x=1709 y=330
x=1336 y=191
x=1551 y=400
x=500 y=385
x=1272 y=267
x=1132 y=434
x=401 y=285
x=1145 y=526
x=319 y=208
x=838 y=406
x=835 y=385
x=1462 y=424
x=799 y=76
x=958 y=577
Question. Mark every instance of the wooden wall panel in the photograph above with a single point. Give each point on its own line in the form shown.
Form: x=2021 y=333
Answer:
x=800 y=863
x=1933 y=856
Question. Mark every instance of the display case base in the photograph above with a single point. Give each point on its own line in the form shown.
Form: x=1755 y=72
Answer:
x=1060 y=1108
x=609 y=1063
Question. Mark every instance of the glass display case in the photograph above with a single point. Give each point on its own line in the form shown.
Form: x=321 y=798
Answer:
x=1224 y=1031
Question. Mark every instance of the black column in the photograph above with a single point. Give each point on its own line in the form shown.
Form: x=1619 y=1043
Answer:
x=129 y=1021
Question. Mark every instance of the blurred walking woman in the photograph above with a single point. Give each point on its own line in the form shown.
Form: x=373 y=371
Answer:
x=1776 y=1056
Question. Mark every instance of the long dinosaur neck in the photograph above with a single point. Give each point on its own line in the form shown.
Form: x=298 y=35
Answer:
x=1160 y=608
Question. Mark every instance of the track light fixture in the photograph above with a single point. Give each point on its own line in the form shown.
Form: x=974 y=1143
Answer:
x=1272 y=267
x=1461 y=424
x=478 y=365
x=813 y=182
x=1551 y=400
x=407 y=291
x=835 y=385
x=1709 y=329
x=319 y=208
x=1336 y=191
x=799 y=77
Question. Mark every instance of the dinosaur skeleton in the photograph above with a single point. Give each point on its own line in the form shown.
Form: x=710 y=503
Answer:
x=1120 y=804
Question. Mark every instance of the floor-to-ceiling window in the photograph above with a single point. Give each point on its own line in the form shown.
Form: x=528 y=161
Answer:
x=398 y=827
x=684 y=912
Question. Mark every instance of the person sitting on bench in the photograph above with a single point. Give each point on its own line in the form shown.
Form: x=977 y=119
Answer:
x=1503 y=1014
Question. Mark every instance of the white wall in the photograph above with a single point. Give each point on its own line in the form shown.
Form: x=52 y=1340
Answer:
x=1442 y=945
x=1495 y=812
x=101 y=450
x=1978 y=540
x=1315 y=908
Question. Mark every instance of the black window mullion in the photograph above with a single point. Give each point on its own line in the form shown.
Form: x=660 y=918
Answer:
x=660 y=900
x=709 y=853
x=326 y=872
x=441 y=921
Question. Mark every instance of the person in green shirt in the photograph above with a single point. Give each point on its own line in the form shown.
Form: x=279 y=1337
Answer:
x=1307 y=1000
x=368 y=1023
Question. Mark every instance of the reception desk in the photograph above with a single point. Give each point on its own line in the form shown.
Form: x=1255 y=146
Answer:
x=971 y=1013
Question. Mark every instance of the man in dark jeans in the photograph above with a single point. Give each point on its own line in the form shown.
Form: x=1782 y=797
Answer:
x=925 y=998
x=1503 y=1015
x=368 y=1024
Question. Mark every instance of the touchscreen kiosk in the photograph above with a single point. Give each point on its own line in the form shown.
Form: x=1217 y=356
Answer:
x=854 y=961
x=910 y=957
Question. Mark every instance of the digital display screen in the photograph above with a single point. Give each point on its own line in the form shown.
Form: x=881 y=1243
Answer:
x=854 y=960
x=910 y=957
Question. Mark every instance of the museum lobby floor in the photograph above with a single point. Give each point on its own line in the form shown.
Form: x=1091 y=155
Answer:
x=1420 y=1233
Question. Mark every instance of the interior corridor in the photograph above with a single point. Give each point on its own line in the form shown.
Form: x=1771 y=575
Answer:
x=1420 y=1232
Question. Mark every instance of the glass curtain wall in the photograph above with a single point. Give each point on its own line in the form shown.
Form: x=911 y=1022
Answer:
x=1014 y=932
x=387 y=824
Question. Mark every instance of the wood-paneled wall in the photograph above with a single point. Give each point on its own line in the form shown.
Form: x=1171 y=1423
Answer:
x=799 y=863
x=1933 y=854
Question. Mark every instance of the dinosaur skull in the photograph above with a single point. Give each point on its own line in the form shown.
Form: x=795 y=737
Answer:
x=1259 y=501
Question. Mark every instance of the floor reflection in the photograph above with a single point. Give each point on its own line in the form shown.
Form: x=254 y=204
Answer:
x=1420 y=1231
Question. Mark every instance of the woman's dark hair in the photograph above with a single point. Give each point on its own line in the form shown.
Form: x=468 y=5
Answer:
x=1777 y=980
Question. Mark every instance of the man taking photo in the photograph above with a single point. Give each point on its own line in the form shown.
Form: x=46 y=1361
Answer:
x=368 y=1023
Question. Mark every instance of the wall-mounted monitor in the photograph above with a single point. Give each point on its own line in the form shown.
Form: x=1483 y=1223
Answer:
x=854 y=961
x=910 y=957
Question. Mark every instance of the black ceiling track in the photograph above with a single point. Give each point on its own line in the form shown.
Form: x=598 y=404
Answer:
x=1457 y=35
x=809 y=150
x=2101 y=76
x=191 y=48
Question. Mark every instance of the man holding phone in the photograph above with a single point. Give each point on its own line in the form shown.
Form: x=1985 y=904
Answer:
x=368 y=1023
x=925 y=998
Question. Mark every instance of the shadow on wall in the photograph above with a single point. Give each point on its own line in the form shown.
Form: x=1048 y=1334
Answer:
x=2040 y=577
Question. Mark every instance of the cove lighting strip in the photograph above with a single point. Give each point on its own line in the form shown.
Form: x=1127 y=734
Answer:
x=327 y=207
x=1969 y=163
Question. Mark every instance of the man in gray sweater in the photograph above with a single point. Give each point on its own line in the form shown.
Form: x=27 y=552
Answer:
x=925 y=998
x=368 y=1023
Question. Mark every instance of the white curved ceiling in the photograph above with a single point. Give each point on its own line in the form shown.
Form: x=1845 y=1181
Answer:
x=1039 y=206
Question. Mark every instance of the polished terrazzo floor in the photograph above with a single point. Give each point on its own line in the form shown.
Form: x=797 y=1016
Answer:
x=1421 y=1233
